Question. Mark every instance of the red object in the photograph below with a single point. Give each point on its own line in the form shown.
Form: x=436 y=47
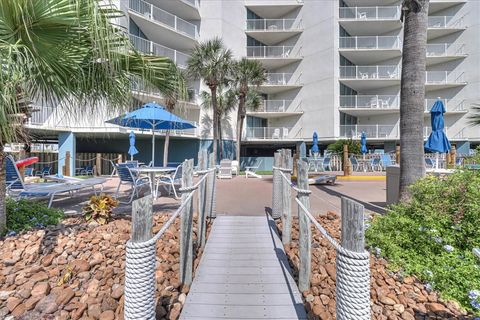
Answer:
x=26 y=162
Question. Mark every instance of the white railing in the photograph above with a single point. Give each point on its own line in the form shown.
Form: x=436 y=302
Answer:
x=445 y=49
x=269 y=51
x=370 y=42
x=450 y=105
x=445 y=77
x=380 y=131
x=34 y=147
x=149 y=47
x=194 y=3
x=41 y=115
x=278 y=79
x=370 y=72
x=267 y=133
x=445 y=22
x=370 y=13
x=370 y=101
x=154 y=13
x=275 y=105
x=273 y=24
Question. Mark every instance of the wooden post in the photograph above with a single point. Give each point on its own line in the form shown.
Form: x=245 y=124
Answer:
x=186 y=227
x=347 y=166
x=202 y=191
x=142 y=219
x=305 y=235
x=98 y=164
x=453 y=155
x=120 y=160
x=287 y=200
x=277 y=187
x=353 y=233
x=67 y=163
x=397 y=154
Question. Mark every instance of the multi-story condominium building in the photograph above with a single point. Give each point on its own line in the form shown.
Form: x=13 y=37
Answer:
x=333 y=66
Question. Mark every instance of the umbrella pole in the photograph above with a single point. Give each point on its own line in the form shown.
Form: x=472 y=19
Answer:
x=153 y=147
x=436 y=162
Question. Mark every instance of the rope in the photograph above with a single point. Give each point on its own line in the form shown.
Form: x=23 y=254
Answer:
x=48 y=162
x=86 y=160
x=114 y=159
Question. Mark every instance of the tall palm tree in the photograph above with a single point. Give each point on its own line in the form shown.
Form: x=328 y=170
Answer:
x=212 y=62
x=245 y=74
x=412 y=94
x=65 y=51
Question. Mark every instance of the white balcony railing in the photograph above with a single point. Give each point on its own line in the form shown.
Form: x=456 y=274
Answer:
x=278 y=79
x=273 y=24
x=445 y=77
x=150 y=47
x=450 y=105
x=154 y=13
x=267 y=133
x=445 y=49
x=370 y=72
x=275 y=105
x=269 y=51
x=370 y=102
x=42 y=115
x=380 y=131
x=193 y=3
x=370 y=13
x=445 y=22
x=371 y=42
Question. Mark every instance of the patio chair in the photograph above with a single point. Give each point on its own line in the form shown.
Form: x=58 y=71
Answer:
x=385 y=161
x=355 y=164
x=375 y=164
x=127 y=177
x=326 y=164
x=429 y=163
x=252 y=170
x=114 y=170
x=44 y=172
x=459 y=161
x=225 y=170
x=276 y=134
x=171 y=181
x=235 y=167
x=132 y=163
x=29 y=172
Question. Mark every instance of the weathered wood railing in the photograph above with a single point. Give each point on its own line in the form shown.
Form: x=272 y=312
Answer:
x=352 y=262
x=141 y=249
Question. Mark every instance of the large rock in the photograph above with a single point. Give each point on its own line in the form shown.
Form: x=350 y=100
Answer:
x=47 y=305
x=41 y=289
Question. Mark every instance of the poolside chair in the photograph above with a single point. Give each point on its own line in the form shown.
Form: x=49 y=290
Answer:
x=44 y=172
x=127 y=177
x=326 y=164
x=171 y=181
x=225 y=171
x=429 y=163
x=132 y=163
x=354 y=162
x=385 y=161
x=458 y=162
x=29 y=172
x=252 y=170
x=375 y=164
x=114 y=170
x=235 y=167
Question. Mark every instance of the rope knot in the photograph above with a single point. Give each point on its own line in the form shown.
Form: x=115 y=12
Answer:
x=188 y=189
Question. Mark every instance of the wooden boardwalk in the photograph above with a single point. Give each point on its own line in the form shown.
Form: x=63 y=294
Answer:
x=243 y=274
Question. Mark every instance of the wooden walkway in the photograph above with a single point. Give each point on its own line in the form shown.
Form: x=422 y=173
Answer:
x=243 y=274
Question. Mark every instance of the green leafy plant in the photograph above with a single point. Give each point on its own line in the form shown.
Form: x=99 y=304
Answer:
x=99 y=209
x=27 y=214
x=432 y=236
x=337 y=147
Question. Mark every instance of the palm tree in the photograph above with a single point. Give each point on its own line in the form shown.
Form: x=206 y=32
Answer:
x=412 y=94
x=65 y=51
x=245 y=74
x=212 y=62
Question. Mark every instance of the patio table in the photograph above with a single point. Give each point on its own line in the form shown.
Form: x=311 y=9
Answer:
x=363 y=163
x=316 y=162
x=152 y=172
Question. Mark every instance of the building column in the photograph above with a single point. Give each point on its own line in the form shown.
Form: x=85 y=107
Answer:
x=66 y=142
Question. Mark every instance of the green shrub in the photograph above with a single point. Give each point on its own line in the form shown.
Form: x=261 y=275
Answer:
x=99 y=209
x=337 y=147
x=433 y=235
x=27 y=214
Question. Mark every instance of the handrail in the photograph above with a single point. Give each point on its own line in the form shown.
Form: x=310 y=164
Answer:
x=273 y=24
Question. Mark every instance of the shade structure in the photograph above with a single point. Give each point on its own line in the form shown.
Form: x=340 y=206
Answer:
x=437 y=141
x=315 y=149
x=363 y=142
x=132 y=150
x=152 y=116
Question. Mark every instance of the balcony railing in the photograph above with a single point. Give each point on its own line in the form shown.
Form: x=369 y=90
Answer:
x=41 y=115
x=445 y=22
x=275 y=105
x=445 y=77
x=370 y=13
x=154 y=13
x=380 y=131
x=370 y=72
x=280 y=79
x=445 y=49
x=450 y=105
x=273 y=24
x=150 y=47
x=193 y=3
x=370 y=102
x=267 y=133
x=370 y=42
x=269 y=51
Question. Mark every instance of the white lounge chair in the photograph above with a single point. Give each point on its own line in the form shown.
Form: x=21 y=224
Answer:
x=225 y=170
x=252 y=170
x=235 y=167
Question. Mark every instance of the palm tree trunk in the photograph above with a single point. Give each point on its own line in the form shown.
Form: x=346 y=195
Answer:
x=240 y=120
x=213 y=92
x=165 y=148
x=220 y=136
x=412 y=96
x=3 y=189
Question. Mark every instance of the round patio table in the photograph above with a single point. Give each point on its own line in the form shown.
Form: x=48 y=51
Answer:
x=152 y=172
x=363 y=163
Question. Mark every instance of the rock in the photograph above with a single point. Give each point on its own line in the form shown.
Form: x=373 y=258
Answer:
x=117 y=291
x=41 y=289
x=12 y=303
x=47 y=305
x=19 y=310
x=94 y=311
x=92 y=288
x=399 y=308
x=80 y=265
x=79 y=311
x=325 y=299
x=65 y=296
x=436 y=308
x=109 y=304
x=39 y=276
x=386 y=300
x=5 y=294
x=25 y=293
x=107 y=315
x=47 y=260
x=407 y=316
x=181 y=298
x=31 y=302
x=309 y=298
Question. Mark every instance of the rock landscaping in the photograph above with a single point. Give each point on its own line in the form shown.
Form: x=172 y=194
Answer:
x=76 y=271
x=393 y=296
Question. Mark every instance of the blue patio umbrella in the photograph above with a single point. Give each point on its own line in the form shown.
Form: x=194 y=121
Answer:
x=363 y=142
x=132 y=150
x=315 y=149
x=154 y=117
x=437 y=141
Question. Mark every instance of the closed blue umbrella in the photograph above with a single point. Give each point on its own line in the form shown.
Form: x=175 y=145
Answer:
x=437 y=141
x=132 y=150
x=152 y=116
x=315 y=149
x=363 y=142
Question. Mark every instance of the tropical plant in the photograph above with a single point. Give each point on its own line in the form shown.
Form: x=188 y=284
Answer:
x=337 y=147
x=68 y=52
x=212 y=62
x=412 y=93
x=99 y=209
x=245 y=74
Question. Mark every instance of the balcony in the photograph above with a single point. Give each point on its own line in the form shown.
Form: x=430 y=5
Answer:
x=375 y=131
x=186 y=9
x=276 y=109
x=370 y=77
x=273 y=56
x=150 y=47
x=273 y=9
x=174 y=32
x=279 y=82
x=444 y=52
x=272 y=31
x=268 y=133
x=451 y=106
x=370 y=49
x=370 y=20
x=359 y=105
x=440 y=26
x=438 y=80
x=439 y=5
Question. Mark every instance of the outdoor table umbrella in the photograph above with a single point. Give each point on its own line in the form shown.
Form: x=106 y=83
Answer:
x=315 y=149
x=437 y=141
x=132 y=150
x=152 y=116
x=363 y=142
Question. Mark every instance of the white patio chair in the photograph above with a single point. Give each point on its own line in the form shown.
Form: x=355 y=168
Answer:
x=362 y=15
x=114 y=170
x=170 y=181
x=252 y=170
x=225 y=170
x=276 y=134
x=235 y=167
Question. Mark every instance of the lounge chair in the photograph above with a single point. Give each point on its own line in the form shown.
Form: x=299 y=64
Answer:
x=44 y=172
x=29 y=172
x=87 y=170
x=375 y=164
x=127 y=177
x=252 y=170
x=89 y=182
x=225 y=170
x=385 y=161
x=171 y=181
